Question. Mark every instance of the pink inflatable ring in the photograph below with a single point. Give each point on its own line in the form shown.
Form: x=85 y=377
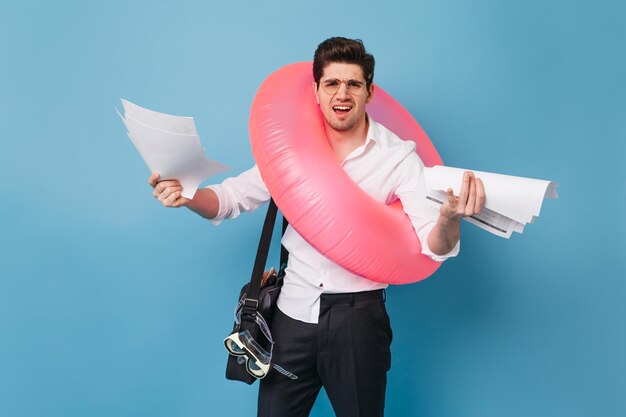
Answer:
x=320 y=200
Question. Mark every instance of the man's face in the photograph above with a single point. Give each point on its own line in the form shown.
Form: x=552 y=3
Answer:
x=344 y=109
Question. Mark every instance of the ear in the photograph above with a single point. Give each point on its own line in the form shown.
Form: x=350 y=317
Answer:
x=370 y=94
x=315 y=91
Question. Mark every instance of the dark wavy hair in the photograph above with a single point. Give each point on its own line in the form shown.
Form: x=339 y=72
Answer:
x=349 y=51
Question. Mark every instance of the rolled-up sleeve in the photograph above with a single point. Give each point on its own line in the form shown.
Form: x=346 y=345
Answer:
x=411 y=190
x=242 y=193
x=423 y=237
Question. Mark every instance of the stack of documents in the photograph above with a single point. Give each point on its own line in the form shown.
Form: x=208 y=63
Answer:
x=169 y=145
x=510 y=202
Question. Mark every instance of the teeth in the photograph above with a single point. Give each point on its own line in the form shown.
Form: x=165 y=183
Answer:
x=342 y=108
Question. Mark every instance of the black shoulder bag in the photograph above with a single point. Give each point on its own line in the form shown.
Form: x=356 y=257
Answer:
x=259 y=296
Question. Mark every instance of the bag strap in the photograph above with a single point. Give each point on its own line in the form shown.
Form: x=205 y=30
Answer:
x=251 y=302
x=284 y=254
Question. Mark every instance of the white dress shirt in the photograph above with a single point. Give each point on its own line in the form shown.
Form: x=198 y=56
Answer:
x=388 y=169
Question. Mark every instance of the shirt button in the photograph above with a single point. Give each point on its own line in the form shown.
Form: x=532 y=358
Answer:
x=321 y=285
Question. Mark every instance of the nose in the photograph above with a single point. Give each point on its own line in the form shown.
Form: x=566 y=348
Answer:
x=343 y=90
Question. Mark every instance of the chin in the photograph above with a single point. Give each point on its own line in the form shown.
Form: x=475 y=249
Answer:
x=342 y=126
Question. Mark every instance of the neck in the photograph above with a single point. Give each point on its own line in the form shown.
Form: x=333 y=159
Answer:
x=343 y=142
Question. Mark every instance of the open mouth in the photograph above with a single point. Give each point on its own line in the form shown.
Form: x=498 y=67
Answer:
x=342 y=109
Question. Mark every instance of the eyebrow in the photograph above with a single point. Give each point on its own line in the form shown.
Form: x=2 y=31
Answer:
x=353 y=80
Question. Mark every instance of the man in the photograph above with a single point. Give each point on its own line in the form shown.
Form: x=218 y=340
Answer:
x=331 y=328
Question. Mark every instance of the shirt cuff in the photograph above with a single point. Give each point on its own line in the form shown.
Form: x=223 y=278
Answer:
x=221 y=213
x=426 y=249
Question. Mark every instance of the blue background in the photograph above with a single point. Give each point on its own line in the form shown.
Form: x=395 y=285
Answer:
x=111 y=305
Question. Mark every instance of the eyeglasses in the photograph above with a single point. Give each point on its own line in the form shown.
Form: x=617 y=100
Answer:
x=354 y=87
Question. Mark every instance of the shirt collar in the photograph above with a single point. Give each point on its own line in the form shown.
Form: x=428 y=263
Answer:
x=370 y=140
x=371 y=132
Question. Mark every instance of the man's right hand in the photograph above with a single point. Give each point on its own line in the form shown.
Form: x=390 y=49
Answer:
x=167 y=191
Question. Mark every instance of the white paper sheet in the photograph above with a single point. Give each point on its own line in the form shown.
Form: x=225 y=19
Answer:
x=162 y=121
x=510 y=202
x=170 y=146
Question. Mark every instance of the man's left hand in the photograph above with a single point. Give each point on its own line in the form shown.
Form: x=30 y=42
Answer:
x=470 y=201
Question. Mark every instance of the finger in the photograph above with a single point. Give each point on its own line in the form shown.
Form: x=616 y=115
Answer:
x=471 y=197
x=180 y=201
x=163 y=185
x=464 y=189
x=154 y=178
x=451 y=198
x=480 y=196
x=167 y=193
x=171 y=199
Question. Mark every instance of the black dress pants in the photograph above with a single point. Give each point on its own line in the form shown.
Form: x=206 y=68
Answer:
x=347 y=353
